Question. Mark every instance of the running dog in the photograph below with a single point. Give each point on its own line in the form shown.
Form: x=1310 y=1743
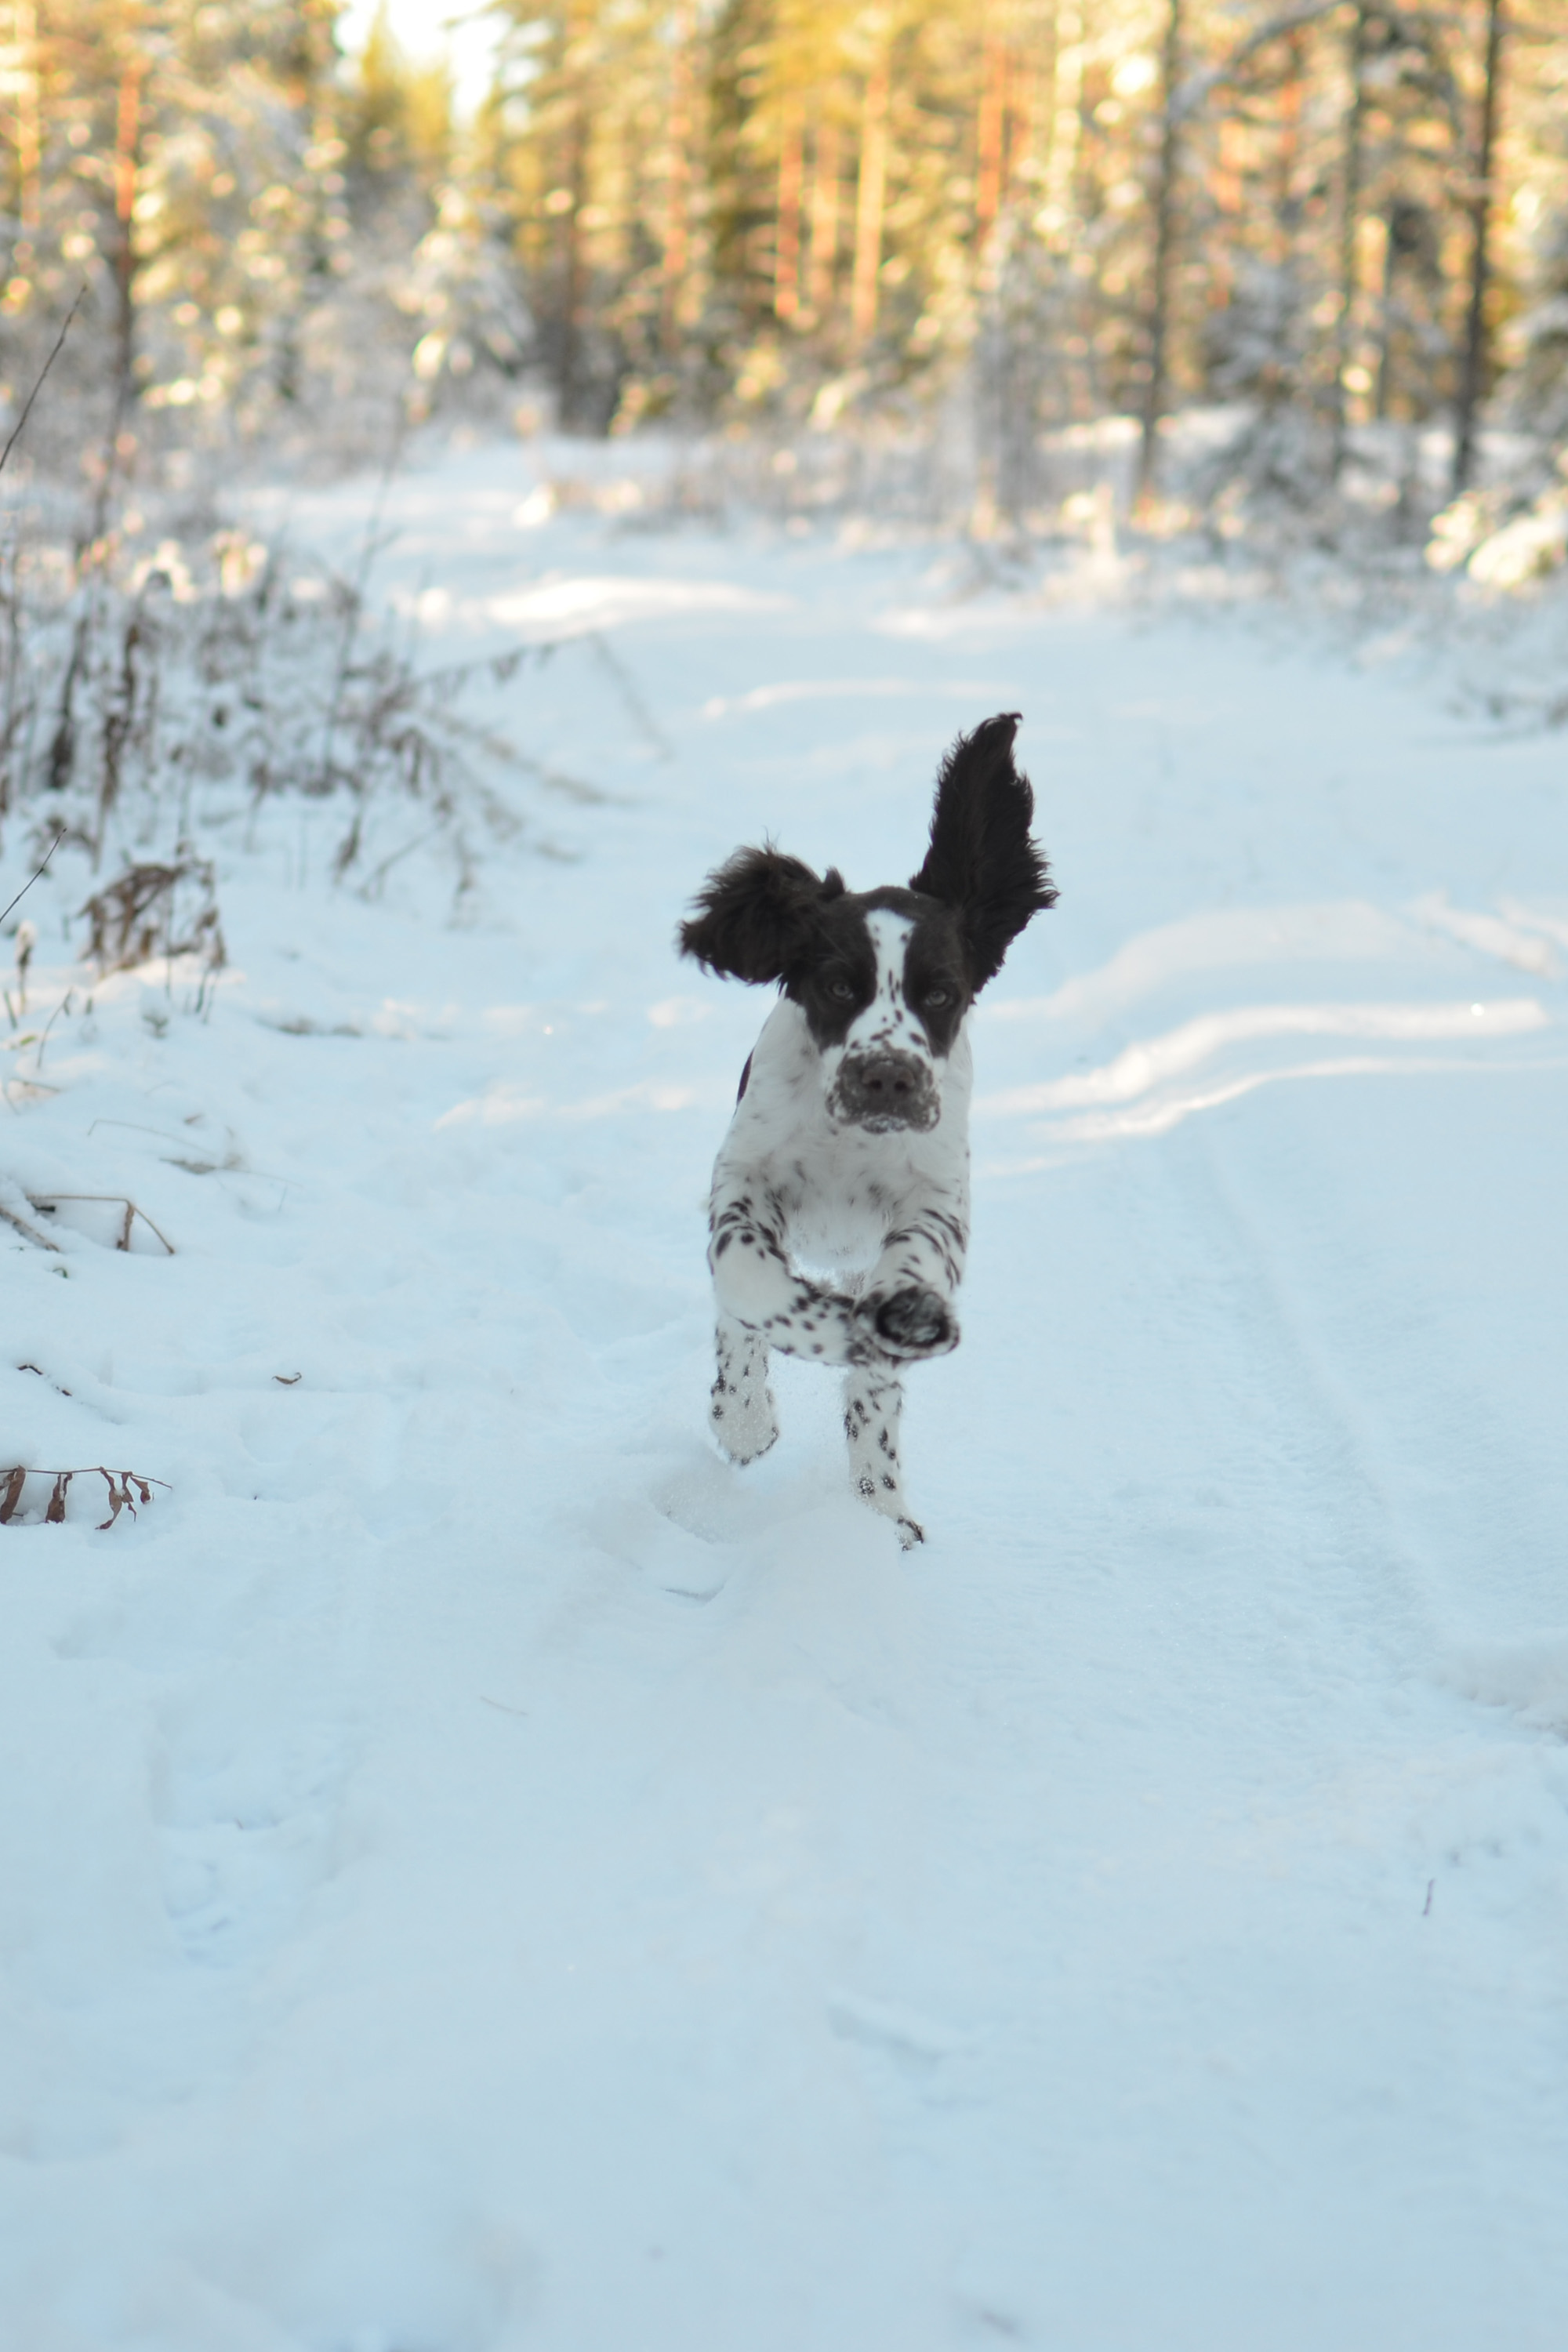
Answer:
x=848 y=1153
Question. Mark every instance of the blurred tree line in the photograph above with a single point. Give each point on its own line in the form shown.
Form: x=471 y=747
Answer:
x=1335 y=214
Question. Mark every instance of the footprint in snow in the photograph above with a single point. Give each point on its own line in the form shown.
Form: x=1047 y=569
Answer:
x=915 y=2042
x=688 y=1565
x=246 y=1806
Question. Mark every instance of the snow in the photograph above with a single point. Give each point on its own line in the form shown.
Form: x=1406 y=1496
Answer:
x=477 y=1872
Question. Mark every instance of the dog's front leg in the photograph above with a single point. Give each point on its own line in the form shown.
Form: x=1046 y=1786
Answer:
x=756 y=1285
x=906 y=1308
x=873 y=1400
x=743 y=1413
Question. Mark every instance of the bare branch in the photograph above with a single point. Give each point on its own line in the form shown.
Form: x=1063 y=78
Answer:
x=1201 y=86
x=27 y=407
x=33 y=878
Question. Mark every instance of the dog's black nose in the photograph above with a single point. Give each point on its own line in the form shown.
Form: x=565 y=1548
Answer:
x=886 y=1090
x=889 y=1081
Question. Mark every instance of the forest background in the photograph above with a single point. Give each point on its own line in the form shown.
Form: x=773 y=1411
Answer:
x=1341 y=225
x=1070 y=277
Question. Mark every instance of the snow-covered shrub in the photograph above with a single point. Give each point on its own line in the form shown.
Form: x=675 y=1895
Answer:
x=1530 y=547
x=146 y=700
x=1535 y=392
x=1263 y=352
x=465 y=295
x=158 y=911
x=1501 y=537
x=1018 y=386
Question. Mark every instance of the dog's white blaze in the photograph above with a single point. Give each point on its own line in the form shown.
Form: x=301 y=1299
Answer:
x=842 y=1187
x=887 y=1024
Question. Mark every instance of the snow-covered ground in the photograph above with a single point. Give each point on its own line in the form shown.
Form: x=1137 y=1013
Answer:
x=478 y=1873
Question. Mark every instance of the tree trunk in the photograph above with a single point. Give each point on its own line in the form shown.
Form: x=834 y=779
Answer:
x=786 y=249
x=1154 y=383
x=1473 y=360
x=1350 y=224
x=989 y=132
x=1067 y=115
x=571 y=386
x=676 y=259
x=1288 y=154
x=127 y=160
x=29 y=116
x=825 y=166
x=870 y=196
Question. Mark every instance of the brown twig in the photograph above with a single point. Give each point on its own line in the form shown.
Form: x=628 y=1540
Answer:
x=30 y=1086
x=30 y=1232
x=27 y=409
x=119 y=1482
x=33 y=878
x=133 y=918
x=112 y=1199
x=63 y=1006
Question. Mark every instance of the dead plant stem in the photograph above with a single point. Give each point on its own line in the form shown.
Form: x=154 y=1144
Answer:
x=27 y=405
x=33 y=878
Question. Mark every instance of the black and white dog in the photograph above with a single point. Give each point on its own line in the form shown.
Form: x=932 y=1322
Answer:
x=848 y=1151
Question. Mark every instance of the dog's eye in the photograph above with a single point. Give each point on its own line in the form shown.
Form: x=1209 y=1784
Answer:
x=937 y=997
x=841 y=990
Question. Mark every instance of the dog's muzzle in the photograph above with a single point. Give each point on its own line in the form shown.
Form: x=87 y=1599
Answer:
x=885 y=1090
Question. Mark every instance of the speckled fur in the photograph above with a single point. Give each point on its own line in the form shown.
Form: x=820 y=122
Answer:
x=839 y=1213
x=880 y=1217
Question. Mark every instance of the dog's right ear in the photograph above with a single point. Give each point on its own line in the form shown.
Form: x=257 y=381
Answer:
x=757 y=914
x=983 y=859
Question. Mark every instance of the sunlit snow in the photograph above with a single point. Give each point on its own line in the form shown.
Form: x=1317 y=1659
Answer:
x=480 y=1873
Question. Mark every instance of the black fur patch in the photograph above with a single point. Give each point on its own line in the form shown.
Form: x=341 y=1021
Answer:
x=762 y=916
x=983 y=862
x=758 y=915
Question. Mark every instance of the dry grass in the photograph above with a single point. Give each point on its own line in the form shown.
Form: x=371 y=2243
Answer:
x=119 y=1482
x=158 y=911
x=154 y=698
x=44 y=1202
x=28 y=1233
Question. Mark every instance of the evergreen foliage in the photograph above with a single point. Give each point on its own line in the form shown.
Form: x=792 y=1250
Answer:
x=782 y=210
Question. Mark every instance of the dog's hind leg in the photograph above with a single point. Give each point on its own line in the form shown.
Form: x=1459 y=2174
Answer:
x=873 y=1400
x=743 y=1413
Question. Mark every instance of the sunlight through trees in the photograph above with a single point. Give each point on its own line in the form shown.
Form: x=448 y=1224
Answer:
x=1338 y=214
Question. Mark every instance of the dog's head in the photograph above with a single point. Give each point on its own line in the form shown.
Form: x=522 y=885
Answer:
x=885 y=977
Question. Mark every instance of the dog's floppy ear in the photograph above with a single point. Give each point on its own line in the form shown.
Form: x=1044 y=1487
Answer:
x=757 y=914
x=982 y=861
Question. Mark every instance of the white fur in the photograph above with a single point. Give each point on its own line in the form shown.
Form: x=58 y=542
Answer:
x=840 y=1208
x=887 y=1025
x=882 y=1215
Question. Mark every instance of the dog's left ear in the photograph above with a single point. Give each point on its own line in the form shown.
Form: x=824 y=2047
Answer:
x=982 y=860
x=758 y=914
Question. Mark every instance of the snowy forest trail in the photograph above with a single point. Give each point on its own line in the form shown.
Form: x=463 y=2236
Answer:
x=481 y=1873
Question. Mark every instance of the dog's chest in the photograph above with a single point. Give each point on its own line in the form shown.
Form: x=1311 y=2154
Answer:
x=840 y=1199
x=838 y=1189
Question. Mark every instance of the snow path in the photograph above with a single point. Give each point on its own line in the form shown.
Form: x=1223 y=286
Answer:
x=479 y=1872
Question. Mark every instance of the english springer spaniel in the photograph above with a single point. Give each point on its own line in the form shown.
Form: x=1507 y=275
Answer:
x=848 y=1153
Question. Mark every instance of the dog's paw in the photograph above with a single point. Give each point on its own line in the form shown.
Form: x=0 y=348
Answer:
x=744 y=1425
x=742 y=1452
x=914 y=1322
x=910 y=1533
